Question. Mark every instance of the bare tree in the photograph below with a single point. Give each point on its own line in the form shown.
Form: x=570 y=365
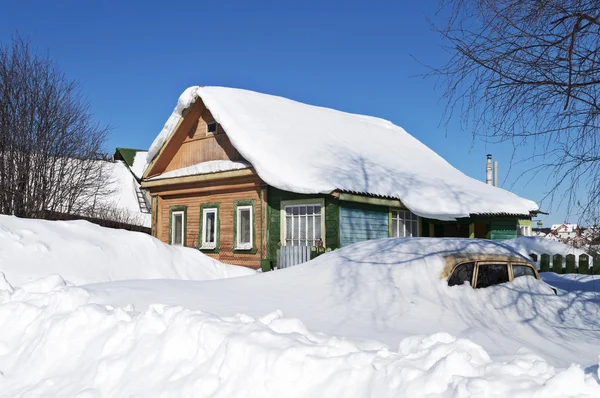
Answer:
x=529 y=72
x=49 y=144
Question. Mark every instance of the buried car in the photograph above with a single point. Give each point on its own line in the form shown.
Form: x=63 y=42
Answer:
x=483 y=270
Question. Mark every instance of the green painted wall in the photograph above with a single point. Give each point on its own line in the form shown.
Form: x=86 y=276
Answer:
x=499 y=227
x=274 y=198
x=361 y=221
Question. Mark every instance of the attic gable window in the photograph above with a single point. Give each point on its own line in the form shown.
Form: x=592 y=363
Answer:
x=211 y=128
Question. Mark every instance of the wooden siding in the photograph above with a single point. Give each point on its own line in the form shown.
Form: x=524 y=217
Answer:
x=359 y=221
x=274 y=198
x=200 y=146
x=225 y=193
x=191 y=144
x=503 y=228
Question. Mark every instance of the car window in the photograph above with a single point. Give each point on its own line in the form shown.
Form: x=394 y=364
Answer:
x=522 y=270
x=462 y=273
x=491 y=274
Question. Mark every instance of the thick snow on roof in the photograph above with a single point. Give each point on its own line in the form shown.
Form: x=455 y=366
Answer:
x=308 y=149
x=213 y=166
x=139 y=163
x=122 y=202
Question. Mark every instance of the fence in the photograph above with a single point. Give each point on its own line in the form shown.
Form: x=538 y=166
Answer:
x=569 y=264
x=288 y=256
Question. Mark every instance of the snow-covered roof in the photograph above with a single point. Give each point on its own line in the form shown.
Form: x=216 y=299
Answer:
x=309 y=149
x=123 y=201
x=212 y=166
x=139 y=164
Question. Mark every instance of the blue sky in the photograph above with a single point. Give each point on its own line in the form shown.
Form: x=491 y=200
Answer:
x=133 y=59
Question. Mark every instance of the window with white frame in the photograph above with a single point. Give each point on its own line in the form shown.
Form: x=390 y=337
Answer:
x=209 y=228
x=177 y=228
x=523 y=230
x=404 y=224
x=302 y=224
x=243 y=227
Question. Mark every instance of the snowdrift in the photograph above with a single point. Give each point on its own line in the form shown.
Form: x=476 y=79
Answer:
x=82 y=252
x=388 y=290
x=533 y=244
x=60 y=345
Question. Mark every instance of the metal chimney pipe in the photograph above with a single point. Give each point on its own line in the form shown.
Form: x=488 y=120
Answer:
x=488 y=170
x=496 y=173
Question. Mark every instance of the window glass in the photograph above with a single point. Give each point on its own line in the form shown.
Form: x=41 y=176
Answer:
x=177 y=229
x=209 y=229
x=404 y=223
x=491 y=274
x=211 y=127
x=244 y=227
x=522 y=270
x=462 y=273
x=302 y=225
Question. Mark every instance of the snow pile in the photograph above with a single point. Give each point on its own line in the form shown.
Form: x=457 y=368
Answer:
x=140 y=164
x=309 y=149
x=82 y=252
x=388 y=290
x=59 y=345
x=213 y=166
x=532 y=244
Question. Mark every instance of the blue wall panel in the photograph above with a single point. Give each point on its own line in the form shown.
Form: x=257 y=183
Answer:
x=360 y=222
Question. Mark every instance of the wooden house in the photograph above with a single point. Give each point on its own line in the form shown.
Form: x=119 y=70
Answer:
x=242 y=175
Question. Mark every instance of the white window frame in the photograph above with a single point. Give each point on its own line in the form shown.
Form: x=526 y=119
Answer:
x=239 y=245
x=204 y=244
x=527 y=229
x=302 y=202
x=173 y=215
x=392 y=220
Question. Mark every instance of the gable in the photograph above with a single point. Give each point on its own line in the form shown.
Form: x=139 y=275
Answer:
x=192 y=143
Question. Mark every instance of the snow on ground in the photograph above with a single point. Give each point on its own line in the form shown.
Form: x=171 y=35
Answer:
x=527 y=245
x=60 y=345
x=277 y=136
x=82 y=252
x=369 y=320
x=213 y=166
x=533 y=244
x=388 y=290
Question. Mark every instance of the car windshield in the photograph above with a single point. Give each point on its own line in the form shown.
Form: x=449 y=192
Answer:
x=491 y=274
x=462 y=273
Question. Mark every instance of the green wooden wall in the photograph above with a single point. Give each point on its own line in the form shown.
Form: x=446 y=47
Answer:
x=499 y=227
x=274 y=198
x=361 y=221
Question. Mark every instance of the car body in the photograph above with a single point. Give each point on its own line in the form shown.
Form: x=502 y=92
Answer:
x=483 y=270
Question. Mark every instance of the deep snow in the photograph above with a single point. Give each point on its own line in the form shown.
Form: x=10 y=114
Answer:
x=308 y=149
x=370 y=320
x=82 y=252
x=388 y=290
x=59 y=345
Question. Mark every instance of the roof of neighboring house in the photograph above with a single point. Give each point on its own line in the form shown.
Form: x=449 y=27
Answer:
x=309 y=149
x=123 y=201
x=135 y=159
x=128 y=154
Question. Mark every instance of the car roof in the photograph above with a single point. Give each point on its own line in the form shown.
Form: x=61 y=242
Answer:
x=457 y=258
